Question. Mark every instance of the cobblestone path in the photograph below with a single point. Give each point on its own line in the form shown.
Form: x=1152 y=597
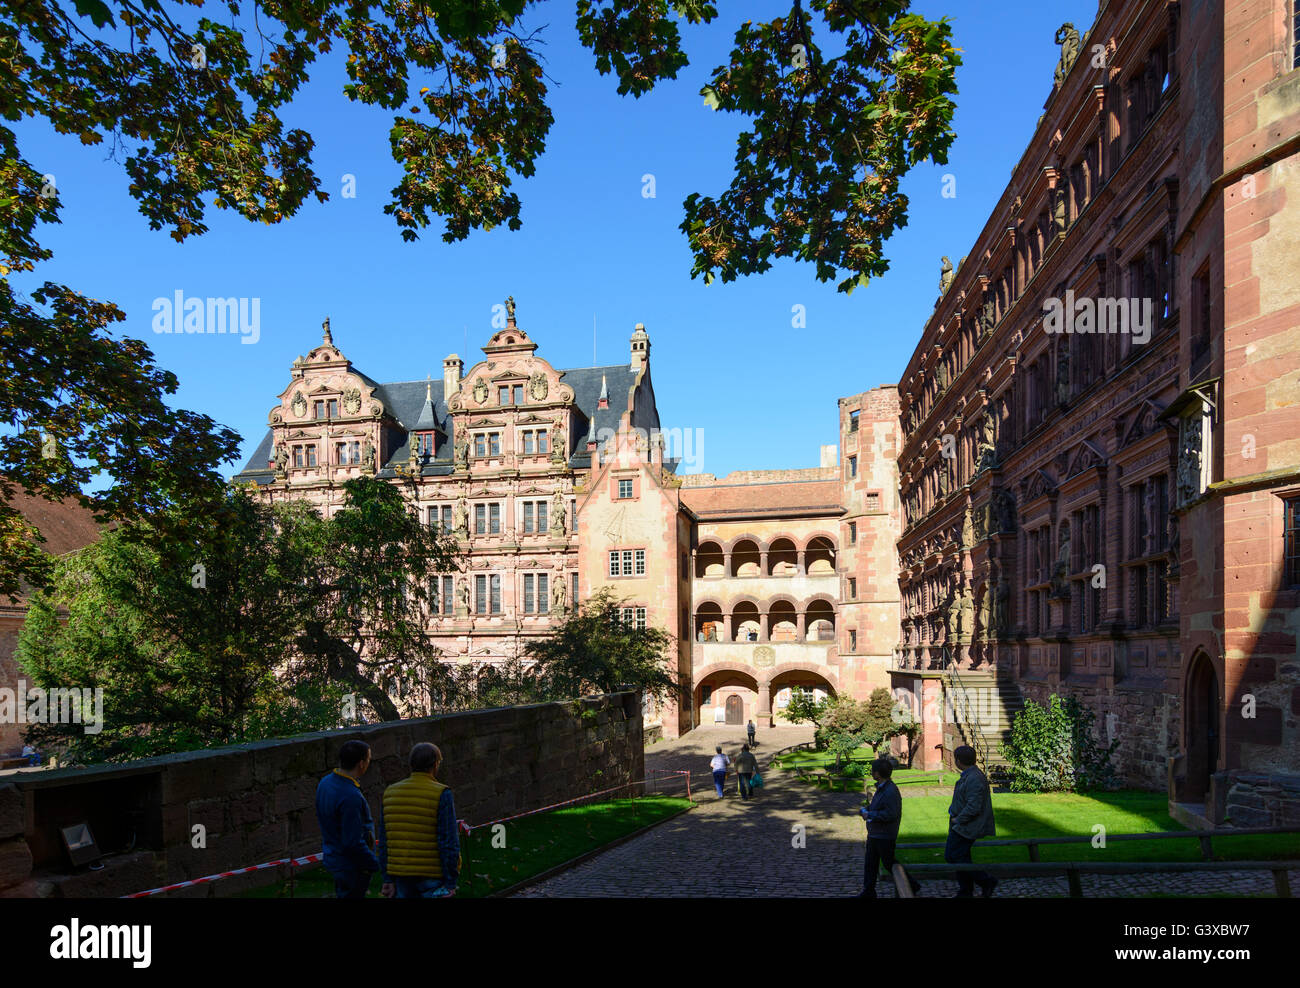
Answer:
x=730 y=848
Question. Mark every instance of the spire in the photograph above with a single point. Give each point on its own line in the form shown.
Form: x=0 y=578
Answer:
x=604 y=393
x=329 y=340
x=428 y=387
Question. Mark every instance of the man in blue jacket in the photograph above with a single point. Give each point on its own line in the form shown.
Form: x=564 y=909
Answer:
x=883 y=814
x=970 y=817
x=346 y=827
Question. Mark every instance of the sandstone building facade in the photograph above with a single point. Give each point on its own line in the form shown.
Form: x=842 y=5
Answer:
x=1099 y=462
x=556 y=484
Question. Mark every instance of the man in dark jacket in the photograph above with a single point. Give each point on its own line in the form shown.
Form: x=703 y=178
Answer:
x=346 y=828
x=883 y=814
x=970 y=817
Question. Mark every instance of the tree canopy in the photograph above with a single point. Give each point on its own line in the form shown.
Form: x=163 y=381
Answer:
x=266 y=621
x=841 y=98
x=596 y=650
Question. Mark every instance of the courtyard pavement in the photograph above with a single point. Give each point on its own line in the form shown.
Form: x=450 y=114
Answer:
x=730 y=848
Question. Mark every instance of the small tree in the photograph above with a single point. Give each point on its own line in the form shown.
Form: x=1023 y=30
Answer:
x=878 y=724
x=804 y=707
x=597 y=651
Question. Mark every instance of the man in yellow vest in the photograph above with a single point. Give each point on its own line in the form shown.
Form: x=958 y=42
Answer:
x=419 y=847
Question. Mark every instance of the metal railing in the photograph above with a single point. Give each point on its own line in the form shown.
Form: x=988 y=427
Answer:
x=1073 y=869
x=965 y=721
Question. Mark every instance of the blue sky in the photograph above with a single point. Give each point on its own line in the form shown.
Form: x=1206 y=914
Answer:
x=725 y=359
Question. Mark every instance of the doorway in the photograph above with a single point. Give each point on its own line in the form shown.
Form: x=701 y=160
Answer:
x=1203 y=709
x=735 y=710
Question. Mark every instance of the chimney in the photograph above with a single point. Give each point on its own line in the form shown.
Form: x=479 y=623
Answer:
x=640 y=347
x=830 y=456
x=452 y=369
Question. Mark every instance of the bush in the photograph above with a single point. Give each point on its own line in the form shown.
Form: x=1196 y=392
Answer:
x=1053 y=749
x=853 y=770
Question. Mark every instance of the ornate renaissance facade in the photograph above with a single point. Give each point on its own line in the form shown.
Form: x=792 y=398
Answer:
x=555 y=484
x=1098 y=466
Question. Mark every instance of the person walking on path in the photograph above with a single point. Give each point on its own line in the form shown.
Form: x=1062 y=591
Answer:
x=719 y=764
x=419 y=847
x=883 y=814
x=750 y=730
x=746 y=766
x=347 y=830
x=970 y=817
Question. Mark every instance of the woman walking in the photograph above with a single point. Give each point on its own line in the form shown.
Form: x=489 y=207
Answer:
x=719 y=764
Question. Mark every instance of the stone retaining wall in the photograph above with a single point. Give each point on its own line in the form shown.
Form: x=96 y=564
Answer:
x=256 y=802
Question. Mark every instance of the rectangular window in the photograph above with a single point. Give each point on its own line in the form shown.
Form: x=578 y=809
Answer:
x=574 y=590
x=853 y=589
x=543 y=593
x=480 y=519
x=853 y=640
x=627 y=562
x=517 y=394
x=614 y=568
x=853 y=466
x=573 y=516
x=503 y=395
x=530 y=600
x=1291 y=542
x=487 y=594
x=298 y=460
x=528 y=442
x=624 y=489
x=853 y=532
x=311 y=455
x=640 y=562
x=873 y=502
x=541 y=516
x=528 y=518
x=853 y=421
x=494 y=444
x=494 y=519
x=480 y=445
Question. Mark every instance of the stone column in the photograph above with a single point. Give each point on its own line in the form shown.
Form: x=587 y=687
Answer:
x=726 y=627
x=762 y=562
x=763 y=627
x=764 y=704
x=800 y=619
x=802 y=563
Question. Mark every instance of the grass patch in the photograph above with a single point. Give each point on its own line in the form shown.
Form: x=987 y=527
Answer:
x=533 y=845
x=823 y=761
x=1022 y=815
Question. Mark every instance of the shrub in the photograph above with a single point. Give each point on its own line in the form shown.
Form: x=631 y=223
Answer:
x=1053 y=749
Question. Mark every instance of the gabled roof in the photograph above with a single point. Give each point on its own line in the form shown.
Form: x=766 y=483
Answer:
x=406 y=403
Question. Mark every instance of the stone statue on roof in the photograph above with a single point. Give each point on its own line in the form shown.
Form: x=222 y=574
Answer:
x=510 y=307
x=1068 y=38
x=946 y=276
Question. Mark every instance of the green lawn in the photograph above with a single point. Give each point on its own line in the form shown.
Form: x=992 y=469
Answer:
x=1021 y=815
x=533 y=844
x=819 y=760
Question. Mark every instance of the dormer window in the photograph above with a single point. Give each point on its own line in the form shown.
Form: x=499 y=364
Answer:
x=424 y=444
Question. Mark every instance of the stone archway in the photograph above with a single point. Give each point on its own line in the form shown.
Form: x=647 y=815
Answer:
x=1201 y=740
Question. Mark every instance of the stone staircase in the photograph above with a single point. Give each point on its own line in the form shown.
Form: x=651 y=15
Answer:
x=993 y=702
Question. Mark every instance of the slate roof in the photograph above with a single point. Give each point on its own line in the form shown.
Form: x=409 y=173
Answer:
x=405 y=401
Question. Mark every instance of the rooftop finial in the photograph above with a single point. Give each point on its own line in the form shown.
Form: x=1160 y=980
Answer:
x=329 y=340
x=428 y=387
x=510 y=308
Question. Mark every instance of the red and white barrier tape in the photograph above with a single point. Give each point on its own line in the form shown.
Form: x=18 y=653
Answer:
x=291 y=862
